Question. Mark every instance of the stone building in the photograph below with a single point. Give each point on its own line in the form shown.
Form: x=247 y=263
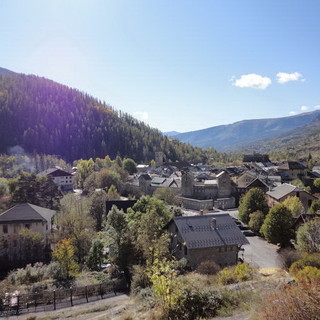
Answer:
x=286 y=190
x=201 y=238
x=13 y=221
x=208 y=186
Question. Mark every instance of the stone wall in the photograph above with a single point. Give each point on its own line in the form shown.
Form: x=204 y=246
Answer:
x=194 y=204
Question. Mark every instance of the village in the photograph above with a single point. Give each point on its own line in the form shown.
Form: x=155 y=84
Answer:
x=201 y=213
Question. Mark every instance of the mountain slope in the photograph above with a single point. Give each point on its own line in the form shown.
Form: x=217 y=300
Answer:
x=232 y=136
x=295 y=144
x=5 y=71
x=171 y=133
x=45 y=117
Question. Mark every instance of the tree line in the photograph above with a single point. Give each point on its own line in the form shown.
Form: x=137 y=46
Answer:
x=45 y=117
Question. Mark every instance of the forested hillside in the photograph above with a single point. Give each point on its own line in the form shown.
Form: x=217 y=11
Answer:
x=242 y=133
x=45 y=117
x=297 y=144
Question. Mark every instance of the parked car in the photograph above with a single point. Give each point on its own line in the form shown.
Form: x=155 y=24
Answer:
x=248 y=233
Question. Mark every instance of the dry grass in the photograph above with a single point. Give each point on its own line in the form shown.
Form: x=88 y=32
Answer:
x=95 y=310
x=295 y=301
x=252 y=296
x=269 y=271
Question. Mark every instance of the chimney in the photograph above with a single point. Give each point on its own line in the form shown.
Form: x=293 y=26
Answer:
x=214 y=223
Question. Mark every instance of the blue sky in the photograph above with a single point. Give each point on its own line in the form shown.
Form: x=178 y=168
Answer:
x=178 y=65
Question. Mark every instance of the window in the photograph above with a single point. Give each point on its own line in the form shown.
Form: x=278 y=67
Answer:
x=5 y=244
x=5 y=228
x=14 y=242
x=27 y=226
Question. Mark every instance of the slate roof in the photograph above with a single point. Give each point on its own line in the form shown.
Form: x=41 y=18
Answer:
x=258 y=182
x=55 y=172
x=245 y=179
x=283 y=190
x=158 y=180
x=211 y=182
x=26 y=212
x=145 y=177
x=292 y=165
x=196 y=231
x=180 y=165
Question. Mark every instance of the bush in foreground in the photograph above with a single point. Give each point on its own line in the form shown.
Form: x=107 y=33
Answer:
x=33 y=273
x=241 y=272
x=308 y=260
x=299 y=301
x=208 y=267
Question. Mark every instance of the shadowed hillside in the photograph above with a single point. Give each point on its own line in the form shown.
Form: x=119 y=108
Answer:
x=45 y=117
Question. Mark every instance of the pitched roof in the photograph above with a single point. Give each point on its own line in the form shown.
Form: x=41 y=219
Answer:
x=144 y=176
x=257 y=182
x=283 y=190
x=197 y=231
x=158 y=180
x=26 y=212
x=55 y=172
x=292 y=165
x=245 y=179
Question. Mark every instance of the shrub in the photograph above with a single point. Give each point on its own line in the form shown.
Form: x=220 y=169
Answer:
x=308 y=274
x=181 y=266
x=32 y=274
x=208 y=267
x=308 y=260
x=227 y=276
x=308 y=236
x=194 y=304
x=294 y=301
x=288 y=257
x=140 y=279
x=241 y=272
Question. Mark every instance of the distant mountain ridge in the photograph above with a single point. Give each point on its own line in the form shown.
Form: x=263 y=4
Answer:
x=171 y=133
x=242 y=133
x=5 y=71
x=296 y=144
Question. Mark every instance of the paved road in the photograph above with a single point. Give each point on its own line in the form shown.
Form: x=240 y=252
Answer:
x=261 y=254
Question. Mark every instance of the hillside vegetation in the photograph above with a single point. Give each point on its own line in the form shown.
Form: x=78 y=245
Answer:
x=45 y=117
x=240 y=134
x=296 y=144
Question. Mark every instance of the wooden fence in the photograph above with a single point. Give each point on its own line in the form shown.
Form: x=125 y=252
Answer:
x=60 y=298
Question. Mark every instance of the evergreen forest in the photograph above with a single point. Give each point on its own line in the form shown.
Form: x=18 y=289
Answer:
x=45 y=117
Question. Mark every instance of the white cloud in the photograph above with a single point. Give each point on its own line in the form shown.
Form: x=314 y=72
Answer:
x=283 y=77
x=316 y=107
x=292 y=113
x=142 y=115
x=304 y=108
x=252 y=80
